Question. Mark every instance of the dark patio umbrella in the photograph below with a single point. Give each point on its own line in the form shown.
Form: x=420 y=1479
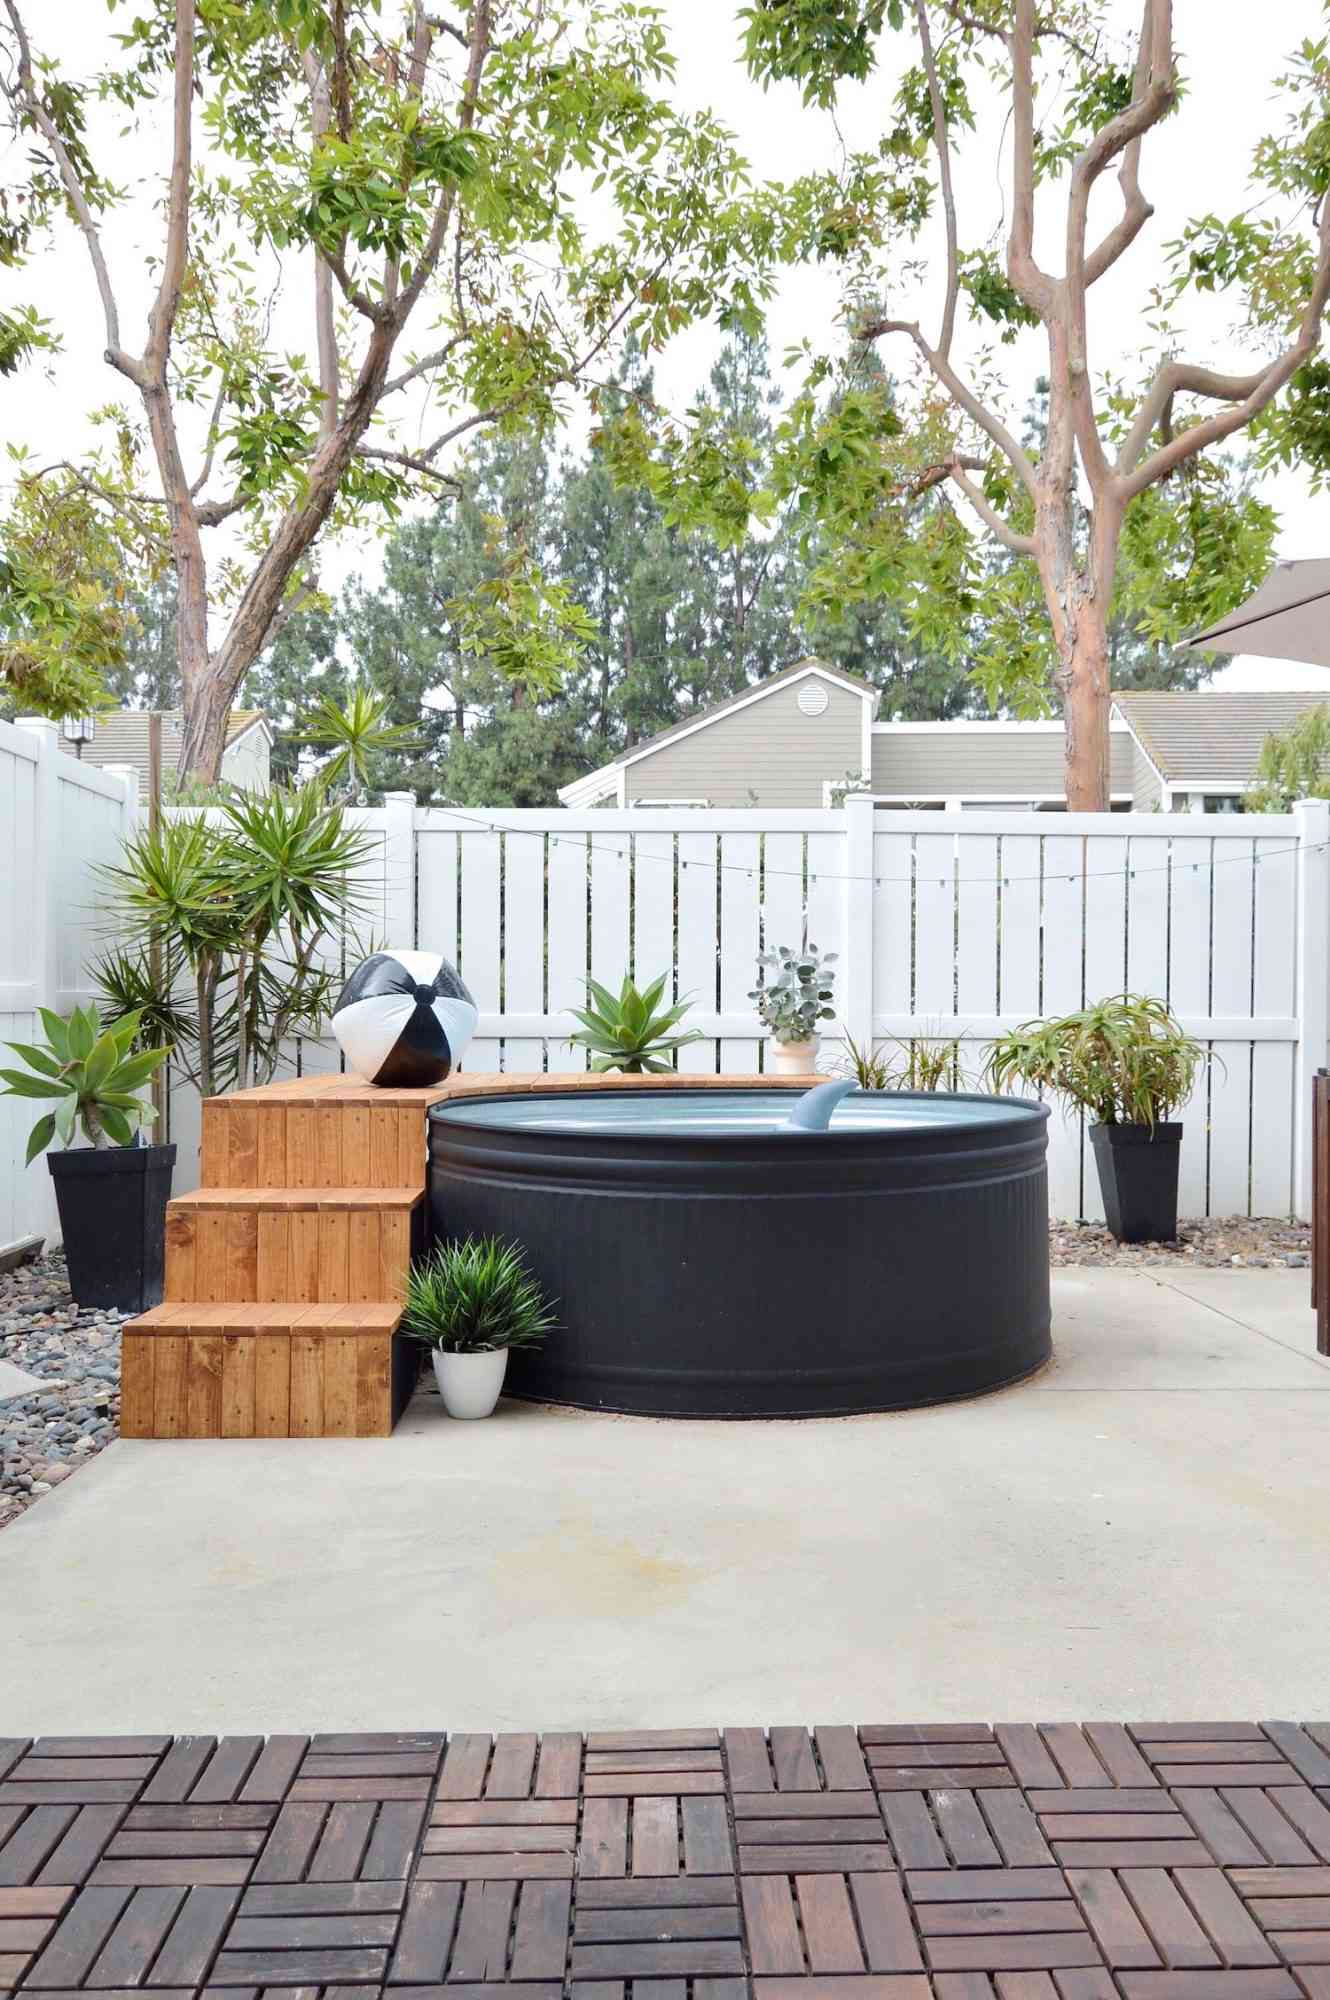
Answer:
x=1288 y=618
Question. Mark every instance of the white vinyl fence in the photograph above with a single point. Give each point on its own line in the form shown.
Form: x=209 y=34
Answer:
x=58 y=820
x=946 y=924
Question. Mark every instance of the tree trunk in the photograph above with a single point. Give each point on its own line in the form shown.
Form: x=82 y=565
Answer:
x=1083 y=681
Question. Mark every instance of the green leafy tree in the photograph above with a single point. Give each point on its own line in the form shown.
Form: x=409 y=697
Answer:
x=905 y=489
x=418 y=178
x=1294 y=764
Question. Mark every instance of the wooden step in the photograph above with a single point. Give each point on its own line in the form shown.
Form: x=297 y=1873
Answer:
x=265 y=1370
x=300 y=1246
x=357 y=1134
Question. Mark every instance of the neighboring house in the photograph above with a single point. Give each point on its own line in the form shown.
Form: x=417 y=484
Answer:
x=796 y=738
x=1199 y=752
x=121 y=737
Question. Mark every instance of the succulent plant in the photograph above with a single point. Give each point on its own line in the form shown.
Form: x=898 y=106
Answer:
x=794 y=999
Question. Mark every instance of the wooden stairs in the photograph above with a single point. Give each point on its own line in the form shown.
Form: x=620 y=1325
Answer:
x=285 y=1269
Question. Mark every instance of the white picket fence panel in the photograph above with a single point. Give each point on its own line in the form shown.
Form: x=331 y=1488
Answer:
x=59 y=820
x=959 y=924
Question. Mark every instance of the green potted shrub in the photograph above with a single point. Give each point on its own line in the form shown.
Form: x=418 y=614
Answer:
x=112 y=1192
x=471 y=1303
x=1130 y=1064
x=627 y=1033
x=791 y=1001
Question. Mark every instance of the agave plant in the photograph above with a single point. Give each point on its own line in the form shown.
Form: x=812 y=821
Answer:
x=473 y=1297
x=626 y=1033
x=88 y=1075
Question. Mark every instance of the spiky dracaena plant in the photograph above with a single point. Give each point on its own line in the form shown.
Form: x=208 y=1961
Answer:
x=473 y=1297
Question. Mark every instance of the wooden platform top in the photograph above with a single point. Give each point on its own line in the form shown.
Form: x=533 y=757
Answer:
x=245 y=1316
x=953 y=1861
x=298 y=1197
x=305 y=1090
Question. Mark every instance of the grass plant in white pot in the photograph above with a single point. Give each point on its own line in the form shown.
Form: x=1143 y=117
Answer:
x=470 y=1303
x=791 y=1000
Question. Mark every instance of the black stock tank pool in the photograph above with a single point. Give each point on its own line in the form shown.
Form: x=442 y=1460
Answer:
x=710 y=1259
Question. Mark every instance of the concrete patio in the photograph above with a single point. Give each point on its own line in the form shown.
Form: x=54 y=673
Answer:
x=1144 y=1529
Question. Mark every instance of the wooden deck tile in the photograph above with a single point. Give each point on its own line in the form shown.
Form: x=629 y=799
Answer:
x=672 y=1864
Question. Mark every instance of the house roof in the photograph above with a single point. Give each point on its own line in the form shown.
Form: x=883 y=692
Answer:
x=585 y=791
x=122 y=737
x=1210 y=739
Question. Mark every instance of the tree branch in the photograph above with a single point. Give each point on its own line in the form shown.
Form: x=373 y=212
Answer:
x=991 y=425
x=942 y=147
x=1249 y=394
x=413 y=462
x=466 y=118
x=1010 y=538
x=325 y=332
x=69 y=180
x=1032 y=286
x=161 y=318
x=423 y=366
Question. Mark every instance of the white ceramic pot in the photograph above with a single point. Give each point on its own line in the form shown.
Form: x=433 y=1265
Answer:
x=793 y=1058
x=470 y=1383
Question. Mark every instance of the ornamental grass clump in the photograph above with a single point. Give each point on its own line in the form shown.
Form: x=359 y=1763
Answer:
x=475 y=1297
x=1126 y=1060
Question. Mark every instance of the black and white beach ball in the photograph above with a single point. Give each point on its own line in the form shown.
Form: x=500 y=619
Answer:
x=404 y=1018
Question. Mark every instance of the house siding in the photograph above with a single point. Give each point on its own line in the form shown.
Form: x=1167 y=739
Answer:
x=247 y=762
x=767 y=754
x=982 y=763
x=1147 y=794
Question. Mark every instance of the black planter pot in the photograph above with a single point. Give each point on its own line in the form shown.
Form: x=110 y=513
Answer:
x=1138 y=1176
x=112 y=1202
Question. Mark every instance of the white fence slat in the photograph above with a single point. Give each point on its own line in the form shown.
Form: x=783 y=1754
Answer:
x=1272 y=1078
x=739 y=943
x=1062 y=987
x=1147 y=916
x=1231 y=928
x=653 y=908
x=1018 y=943
x=1226 y=1094
x=478 y=942
x=977 y=887
x=566 y=943
x=1192 y=886
x=934 y=927
x=1274 y=943
x=436 y=887
x=523 y=959
x=610 y=886
x=1106 y=887
x=698 y=944
x=782 y=890
x=893 y=905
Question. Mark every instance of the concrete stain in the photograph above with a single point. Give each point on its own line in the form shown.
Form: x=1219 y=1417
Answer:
x=578 y=1572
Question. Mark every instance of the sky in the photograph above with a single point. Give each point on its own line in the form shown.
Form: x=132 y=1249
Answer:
x=1231 y=53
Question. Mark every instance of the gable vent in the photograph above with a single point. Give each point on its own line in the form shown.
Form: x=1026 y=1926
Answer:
x=813 y=698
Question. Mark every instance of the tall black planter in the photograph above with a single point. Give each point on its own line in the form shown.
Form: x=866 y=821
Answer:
x=112 y=1202
x=1138 y=1176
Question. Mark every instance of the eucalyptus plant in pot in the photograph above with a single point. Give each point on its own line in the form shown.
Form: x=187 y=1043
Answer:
x=791 y=1001
x=472 y=1302
x=112 y=1191
x=1128 y=1062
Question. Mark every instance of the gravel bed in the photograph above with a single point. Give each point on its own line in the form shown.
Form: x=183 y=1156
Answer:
x=49 y=1433
x=1220 y=1242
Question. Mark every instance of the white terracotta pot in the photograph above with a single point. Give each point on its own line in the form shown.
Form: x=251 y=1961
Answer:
x=793 y=1058
x=470 y=1383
